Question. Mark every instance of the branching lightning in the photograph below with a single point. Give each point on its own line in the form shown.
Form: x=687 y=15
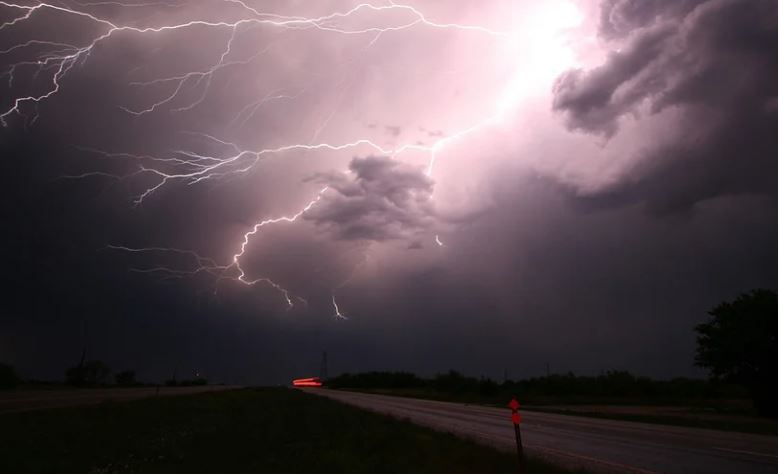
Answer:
x=63 y=62
x=189 y=167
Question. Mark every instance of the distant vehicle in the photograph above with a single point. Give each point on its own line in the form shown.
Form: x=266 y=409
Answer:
x=309 y=382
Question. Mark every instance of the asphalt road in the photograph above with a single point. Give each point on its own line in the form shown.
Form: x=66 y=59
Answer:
x=25 y=400
x=594 y=444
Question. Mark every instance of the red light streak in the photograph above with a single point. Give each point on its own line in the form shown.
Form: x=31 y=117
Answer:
x=308 y=382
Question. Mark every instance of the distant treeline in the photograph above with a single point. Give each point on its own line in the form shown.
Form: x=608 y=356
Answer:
x=609 y=385
x=89 y=373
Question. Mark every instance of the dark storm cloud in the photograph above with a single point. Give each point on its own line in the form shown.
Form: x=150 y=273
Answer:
x=524 y=278
x=715 y=63
x=379 y=199
x=595 y=100
x=619 y=18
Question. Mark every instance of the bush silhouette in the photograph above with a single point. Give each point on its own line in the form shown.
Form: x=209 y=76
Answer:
x=8 y=377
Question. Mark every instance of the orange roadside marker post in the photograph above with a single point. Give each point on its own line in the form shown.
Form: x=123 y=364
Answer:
x=516 y=419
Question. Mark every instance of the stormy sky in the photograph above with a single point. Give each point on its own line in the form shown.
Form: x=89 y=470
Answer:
x=231 y=187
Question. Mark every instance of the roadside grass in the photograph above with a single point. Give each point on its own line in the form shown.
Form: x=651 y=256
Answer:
x=264 y=430
x=757 y=426
x=722 y=415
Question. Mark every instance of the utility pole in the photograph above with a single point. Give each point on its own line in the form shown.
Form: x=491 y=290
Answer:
x=83 y=347
x=323 y=369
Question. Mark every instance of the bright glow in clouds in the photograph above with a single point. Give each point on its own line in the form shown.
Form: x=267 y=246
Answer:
x=526 y=56
x=544 y=50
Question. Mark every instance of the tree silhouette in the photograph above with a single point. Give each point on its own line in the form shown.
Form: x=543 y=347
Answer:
x=125 y=378
x=740 y=344
x=8 y=377
x=89 y=373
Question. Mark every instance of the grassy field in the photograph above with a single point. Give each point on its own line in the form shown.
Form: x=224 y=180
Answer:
x=272 y=430
x=724 y=415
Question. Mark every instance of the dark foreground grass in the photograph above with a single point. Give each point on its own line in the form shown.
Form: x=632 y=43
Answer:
x=269 y=430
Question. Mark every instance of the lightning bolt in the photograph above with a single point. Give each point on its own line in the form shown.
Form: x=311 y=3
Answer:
x=289 y=219
x=63 y=63
x=338 y=314
x=190 y=167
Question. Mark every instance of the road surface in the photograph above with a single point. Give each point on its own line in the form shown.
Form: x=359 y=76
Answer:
x=594 y=444
x=24 y=400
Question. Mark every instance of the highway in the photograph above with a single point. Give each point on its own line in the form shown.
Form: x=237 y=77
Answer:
x=25 y=400
x=578 y=442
